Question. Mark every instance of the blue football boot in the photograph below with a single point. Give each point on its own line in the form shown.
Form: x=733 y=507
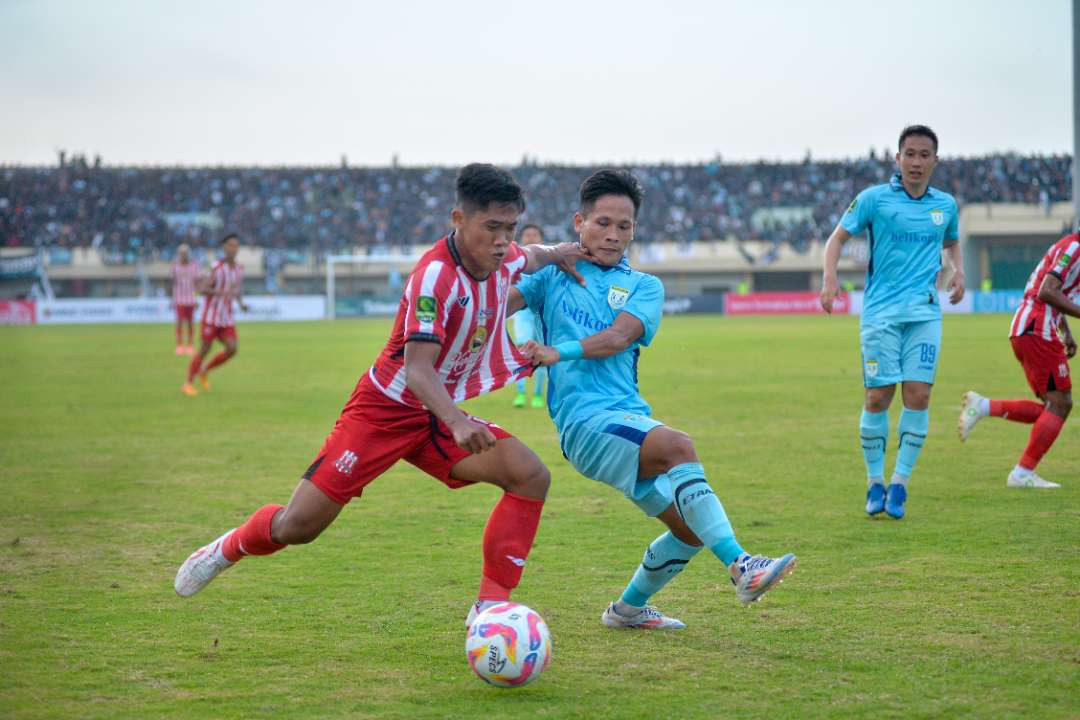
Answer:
x=875 y=499
x=894 y=501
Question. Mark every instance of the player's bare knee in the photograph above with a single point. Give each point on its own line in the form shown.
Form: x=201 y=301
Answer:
x=532 y=480
x=680 y=448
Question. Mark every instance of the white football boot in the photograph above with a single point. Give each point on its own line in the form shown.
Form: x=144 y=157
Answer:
x=1028 y=480
x=201 y=567
x=970 y=413
x=759 y=574
x=648 y=618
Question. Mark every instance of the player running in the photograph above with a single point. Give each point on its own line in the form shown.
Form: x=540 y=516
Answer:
x=225 y=284
x=449 y=343
x=604 y=424
x=909 y=225
x=523 y=327
x=185 y=274
x=1044 y=355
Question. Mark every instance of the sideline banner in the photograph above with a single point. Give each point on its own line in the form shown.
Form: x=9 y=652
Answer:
x=17 y=312
x=263 y=308
x=782 y=303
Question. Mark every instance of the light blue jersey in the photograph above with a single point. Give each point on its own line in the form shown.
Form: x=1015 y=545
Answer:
x=580 y=389
x=906 y=236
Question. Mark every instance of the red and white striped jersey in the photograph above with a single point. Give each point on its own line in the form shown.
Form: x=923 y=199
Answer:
x=1035 y=316
x=442 y=303
x=219 y=308
x=184 y=277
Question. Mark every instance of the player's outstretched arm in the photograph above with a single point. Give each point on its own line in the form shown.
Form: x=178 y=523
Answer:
x=611 y=341
x=421 y=378
x=830 y=284
x=1051 y=294
x=954 y=262
x=565 y=255
x=514 y=301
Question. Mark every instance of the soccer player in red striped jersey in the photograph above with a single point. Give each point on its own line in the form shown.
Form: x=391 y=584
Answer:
x=224 y=285
x=448 y=344
x=1043 y=344
x=185 y=274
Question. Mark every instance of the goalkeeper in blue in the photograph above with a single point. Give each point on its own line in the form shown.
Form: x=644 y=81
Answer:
x=592 y=338
x=910 y=227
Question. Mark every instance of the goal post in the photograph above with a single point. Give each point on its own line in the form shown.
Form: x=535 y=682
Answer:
x=365 y=284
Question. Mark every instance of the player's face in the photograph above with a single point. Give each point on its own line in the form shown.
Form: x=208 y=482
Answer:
x=484 y=236
x=231 y=247
x=530 y=236
x=607 y=229
x=917 y=159
x=182 y=255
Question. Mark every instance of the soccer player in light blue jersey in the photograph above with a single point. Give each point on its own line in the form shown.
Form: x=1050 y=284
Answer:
x=523 y=329
x=910 y=226
x=592 y=340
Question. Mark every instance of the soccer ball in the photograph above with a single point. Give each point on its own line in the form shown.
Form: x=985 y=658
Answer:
x=508 y=645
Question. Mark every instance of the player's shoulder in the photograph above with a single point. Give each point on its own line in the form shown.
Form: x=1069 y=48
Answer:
x=940 y=195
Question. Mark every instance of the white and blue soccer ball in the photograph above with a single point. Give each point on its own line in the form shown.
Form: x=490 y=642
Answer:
x=508 y=645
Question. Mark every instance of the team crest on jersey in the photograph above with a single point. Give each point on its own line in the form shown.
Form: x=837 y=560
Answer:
x=478 y=339
x=425 y=309
x=617 y=297
x=937 y=217
x=871 y=368
x=1063 y=261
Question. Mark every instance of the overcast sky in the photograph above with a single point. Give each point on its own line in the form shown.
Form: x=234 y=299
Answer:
x=303 y=82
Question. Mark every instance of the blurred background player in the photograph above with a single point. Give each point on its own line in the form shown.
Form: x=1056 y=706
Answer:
x=910 y=227
x=523 y=328
x=185 y=274
x=1044 y=355
x=604 y=424
x=448 y=344
x=224 y=285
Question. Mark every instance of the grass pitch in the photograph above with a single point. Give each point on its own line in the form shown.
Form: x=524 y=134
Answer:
x=969 y=607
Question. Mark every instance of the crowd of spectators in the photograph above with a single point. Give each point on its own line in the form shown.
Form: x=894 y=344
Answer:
x=131 y=212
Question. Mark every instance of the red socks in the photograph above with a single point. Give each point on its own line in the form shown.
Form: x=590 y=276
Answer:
x=218 y=360
x=508 y=537
x=1043 y=435
x=253 y=537
x=193 y=367
x=1024 y=411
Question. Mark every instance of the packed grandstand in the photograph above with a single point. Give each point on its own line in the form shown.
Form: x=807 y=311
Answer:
x=135 y=213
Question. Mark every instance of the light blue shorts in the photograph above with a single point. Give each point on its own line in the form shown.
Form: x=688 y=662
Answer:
x=607 y=447
x=896 y=351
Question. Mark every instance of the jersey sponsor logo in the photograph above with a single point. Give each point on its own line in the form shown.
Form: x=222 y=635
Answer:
x=1063 y=261
x=937 y=217
x=478 y=339
x=425 y=309
x=583 y=318
x=617 y=297
x=345 y=463
x=871 y=368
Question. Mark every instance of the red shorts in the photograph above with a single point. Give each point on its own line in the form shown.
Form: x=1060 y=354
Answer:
x=185 y=312
x=209 y=333
x=373 y=432
x=1044 y=363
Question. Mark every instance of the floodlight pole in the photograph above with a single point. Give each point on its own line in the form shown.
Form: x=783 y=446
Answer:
x=1076 y=110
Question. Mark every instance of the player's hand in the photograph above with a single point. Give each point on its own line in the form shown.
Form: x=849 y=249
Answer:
x=472 y=436
x=1070 y=346
x=567 y=255
x=830 y=288
x=956 y=287
x=539 y=354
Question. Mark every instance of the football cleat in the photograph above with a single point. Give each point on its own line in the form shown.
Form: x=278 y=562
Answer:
x=895 y=499
x=478 y=607
x=519 y=400
x=648 y=618
x=1028 y=480
x=179 y=350
x=537 y=401
x=201 y=567
x=969 y=414
x=189 y=389
x=759 y=574
x=875 y=498
x=204 y=380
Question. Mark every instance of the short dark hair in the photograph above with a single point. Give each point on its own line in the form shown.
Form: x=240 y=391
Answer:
x=610 y=182
x=229 y=237
x=479 y=185
x=922 y=130
x=533 y=226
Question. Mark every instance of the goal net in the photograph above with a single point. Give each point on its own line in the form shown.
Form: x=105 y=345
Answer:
x=363 y=285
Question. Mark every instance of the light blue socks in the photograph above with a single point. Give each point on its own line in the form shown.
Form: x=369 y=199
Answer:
x=873 y=435
x=912 y=429
x=702 y=511
x=664 y=559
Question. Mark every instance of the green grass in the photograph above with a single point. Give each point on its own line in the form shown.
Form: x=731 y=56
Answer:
x=969 y=607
